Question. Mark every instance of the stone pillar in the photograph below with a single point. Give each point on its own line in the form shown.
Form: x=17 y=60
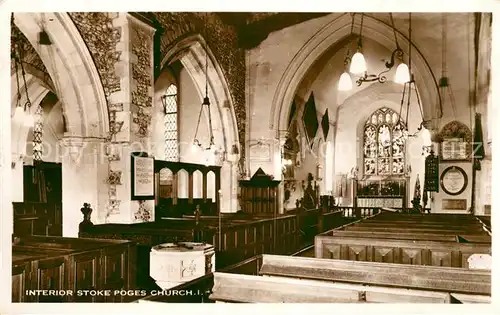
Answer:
x=131 y=109
x=84 y=174
x=229 y=186
x=279 y=173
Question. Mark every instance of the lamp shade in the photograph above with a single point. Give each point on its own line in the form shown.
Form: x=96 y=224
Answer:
x=426 y=137
x=358 y=63
x=345 y=82
x=402 y=74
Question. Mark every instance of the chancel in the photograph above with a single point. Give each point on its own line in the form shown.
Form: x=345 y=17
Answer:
x=251 y=157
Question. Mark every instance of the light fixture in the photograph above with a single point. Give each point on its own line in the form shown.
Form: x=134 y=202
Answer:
x=408 y=86
x=345 y=81
x=43 y=38
x=206 y=102
x=22 y=112
x=402 y=74
x=358 y=63
x=396 y=53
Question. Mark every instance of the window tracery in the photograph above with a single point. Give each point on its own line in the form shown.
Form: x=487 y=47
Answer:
x=384 y=144
x=170 y=124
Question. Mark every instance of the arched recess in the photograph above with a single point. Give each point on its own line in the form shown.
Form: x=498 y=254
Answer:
x=191 y=52
x=36 y=91
x=72 y=70
x=332 y=33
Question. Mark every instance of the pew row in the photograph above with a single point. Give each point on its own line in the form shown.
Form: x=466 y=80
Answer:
x=56 y=269
x=441 y=279
x=436 y=236
x=257 y=289
x=413 y=252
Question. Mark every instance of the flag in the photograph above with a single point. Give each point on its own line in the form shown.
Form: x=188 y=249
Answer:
x=310 y=119
x=478 y=147
x=325 y=124
x=417 y=194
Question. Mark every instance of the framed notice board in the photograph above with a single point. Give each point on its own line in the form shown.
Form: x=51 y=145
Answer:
x=431 y=173
x=142 y=176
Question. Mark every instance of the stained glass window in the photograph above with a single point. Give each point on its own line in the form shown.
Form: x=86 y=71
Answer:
x=170 y=123
x=384 y=144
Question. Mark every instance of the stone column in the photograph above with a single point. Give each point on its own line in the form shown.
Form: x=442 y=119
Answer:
x=229 y=186
x=84 y=175
x=279 y=174
x=131 y=109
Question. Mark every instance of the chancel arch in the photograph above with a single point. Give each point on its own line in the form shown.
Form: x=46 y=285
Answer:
x=335 y=31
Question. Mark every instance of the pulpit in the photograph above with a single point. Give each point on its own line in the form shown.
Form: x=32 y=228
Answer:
x=174 y=263
x=259 y=195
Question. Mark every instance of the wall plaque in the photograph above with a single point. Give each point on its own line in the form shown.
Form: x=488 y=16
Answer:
x=454 y=149
x=431 y=173
x=142 y=176
x=454 y=204
x=260 y=151
x=453 y=180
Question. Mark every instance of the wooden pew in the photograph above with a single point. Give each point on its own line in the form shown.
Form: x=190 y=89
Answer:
x=257 y=289
x=62 y=266
x=441 y=237
x=417 y=252
x=442 y=279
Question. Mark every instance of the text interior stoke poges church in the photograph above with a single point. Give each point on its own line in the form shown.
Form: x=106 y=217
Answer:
x=251 y=157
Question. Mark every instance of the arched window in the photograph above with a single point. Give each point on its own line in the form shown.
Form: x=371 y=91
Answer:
x=170 y=123
x=384 y=144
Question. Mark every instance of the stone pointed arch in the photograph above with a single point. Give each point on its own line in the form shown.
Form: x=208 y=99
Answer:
x=191 y=52
x=73 y=72
x=332 y=33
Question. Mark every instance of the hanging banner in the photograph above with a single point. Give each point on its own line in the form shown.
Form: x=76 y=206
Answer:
x=431 y=182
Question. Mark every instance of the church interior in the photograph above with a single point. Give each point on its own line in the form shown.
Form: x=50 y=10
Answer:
x=256 y=157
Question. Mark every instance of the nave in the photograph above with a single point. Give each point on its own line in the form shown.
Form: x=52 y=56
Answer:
x=224 y=157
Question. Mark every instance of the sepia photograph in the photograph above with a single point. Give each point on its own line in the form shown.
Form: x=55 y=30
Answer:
x=241 y=156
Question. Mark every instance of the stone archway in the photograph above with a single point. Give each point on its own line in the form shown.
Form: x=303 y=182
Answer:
x=326 y=37
x=192 y=52
x=72 y=70
x=77 y=84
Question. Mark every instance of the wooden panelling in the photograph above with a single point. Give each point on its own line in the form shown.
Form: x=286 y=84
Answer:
x=72 y=265
x=35 y=218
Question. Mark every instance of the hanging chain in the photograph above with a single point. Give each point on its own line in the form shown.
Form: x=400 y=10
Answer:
x=394 y=30
x=443 y=45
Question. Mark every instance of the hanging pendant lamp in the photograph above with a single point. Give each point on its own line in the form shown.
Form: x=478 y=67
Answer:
x=206 y=103
x=402 y=74
x=345 y=82
x=358 y=63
